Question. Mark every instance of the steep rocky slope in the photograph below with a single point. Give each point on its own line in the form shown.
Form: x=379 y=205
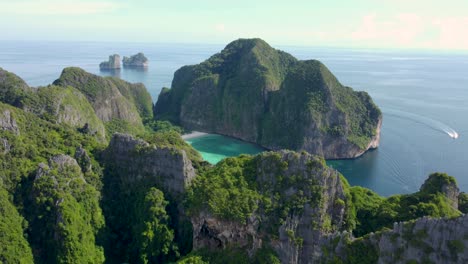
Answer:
x=56 y=104
x=300 y=210
x=286 y=201
x=258 y=94
x=65 y=214
x=112 y=64
x=110 y=97
x=136 y=161
x=138 y=60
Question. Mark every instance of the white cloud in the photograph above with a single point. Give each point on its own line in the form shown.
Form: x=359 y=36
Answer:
x=407 y=30
x=56 y=7
x=220 y=27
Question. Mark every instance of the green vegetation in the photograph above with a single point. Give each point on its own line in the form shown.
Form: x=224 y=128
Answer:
x=463 y=202
x=55 y=209
x=153 y=237
x=117 y=125
x=52 y=103
x=220 y=256
x=13 y=245
x=37 y=142
x=172 y=139
x=12 y=88
x=111 y=98
x=237 y=191
x=374 y=212
x=230 y=195
x=64 y=216
x=138 y=225
x=262 y=95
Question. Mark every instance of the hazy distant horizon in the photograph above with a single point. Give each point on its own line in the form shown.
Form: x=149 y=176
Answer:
x=384 y=24
x=273 y=44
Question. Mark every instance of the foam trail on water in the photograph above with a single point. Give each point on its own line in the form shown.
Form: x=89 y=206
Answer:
x=429 y=122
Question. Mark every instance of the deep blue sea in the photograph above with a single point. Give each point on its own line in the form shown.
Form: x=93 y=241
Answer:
x=423 y=96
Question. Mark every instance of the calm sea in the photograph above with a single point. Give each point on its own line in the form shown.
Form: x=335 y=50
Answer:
x=423 y=96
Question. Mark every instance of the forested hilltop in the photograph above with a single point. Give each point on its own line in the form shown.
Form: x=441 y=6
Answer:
x=88 y=175
x=256 y=93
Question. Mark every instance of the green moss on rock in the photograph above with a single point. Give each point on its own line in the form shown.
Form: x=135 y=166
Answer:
x=262 y=95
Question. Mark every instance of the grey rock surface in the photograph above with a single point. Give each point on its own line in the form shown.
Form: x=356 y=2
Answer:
x=134 y=160
x=135 y=61
x=7 y=122
x=112 y=64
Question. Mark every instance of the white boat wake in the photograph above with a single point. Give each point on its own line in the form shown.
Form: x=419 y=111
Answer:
x=429 y=122
x=452 y=134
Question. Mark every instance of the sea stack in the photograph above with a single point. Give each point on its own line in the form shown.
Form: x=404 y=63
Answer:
x=136 y=61
x=112 y=64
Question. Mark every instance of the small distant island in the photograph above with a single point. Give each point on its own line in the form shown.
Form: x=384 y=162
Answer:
x=136 y=61
x=112 y=64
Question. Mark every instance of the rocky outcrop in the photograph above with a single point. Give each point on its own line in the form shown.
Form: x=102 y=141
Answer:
x=62 y=105
x=83 y=159
x=261 y=95
x=296 y=238
x=12 y=88
x=60 y=162
x=112 y=64
x=136 y=61
x=214 y=233
x=110 y=97
x=7 y=122
x=4 y=146
x=136 y=161
x=65 y=212
x=425 y=240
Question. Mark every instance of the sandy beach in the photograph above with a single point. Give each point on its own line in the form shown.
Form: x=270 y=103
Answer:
x=194 y=134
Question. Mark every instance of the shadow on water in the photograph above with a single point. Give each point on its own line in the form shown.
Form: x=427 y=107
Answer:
x=111 y=72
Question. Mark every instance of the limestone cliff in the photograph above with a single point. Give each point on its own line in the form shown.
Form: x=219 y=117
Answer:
x=307 y=203
x=7 y=122
x=425 y=240
x=112 y=64
x=106 y=95
x=304 y=211
x=64 y=211
x=136 y=162
x=136 y=61
x=258 y=94
x=59 y=105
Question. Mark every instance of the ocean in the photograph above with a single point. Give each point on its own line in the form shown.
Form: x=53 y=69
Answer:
x=423 y=97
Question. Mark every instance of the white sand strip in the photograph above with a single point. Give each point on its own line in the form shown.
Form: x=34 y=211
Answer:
x=194 y=134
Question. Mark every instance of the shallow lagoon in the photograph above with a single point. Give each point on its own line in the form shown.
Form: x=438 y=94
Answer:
x=214 y=148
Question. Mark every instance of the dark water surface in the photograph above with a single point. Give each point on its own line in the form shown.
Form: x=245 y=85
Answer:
x=423 y=96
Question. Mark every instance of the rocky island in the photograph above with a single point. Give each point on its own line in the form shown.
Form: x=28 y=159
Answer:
x=265 y=96
x=136 y=61
x=112 y=64
x=141 y=194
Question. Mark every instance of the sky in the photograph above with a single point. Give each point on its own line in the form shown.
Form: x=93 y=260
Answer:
x=397 y=24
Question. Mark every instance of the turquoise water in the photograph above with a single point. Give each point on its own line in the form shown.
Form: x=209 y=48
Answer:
x=423 y=97
x=214 y=148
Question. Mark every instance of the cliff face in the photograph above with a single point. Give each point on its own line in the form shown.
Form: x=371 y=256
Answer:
x=425 y=240
x=64 y=105
x=265 y=96
x=304 y=211
x=112 y=64
x=66 y=208
x=136 y=61
x=136 y=161
x=7 y=122
x=307 y=203
x=105 y=95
